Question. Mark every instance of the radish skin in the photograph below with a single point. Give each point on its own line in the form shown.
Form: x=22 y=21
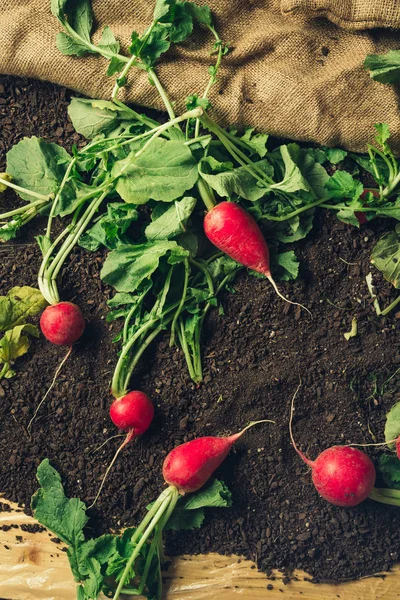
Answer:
x=234 y=231
x=134 y=411
x=342 y=475
x=188 y=466
x=62 y=324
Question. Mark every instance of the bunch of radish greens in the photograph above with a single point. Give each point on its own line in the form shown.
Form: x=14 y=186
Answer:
x=140 y=187
x=99 y=563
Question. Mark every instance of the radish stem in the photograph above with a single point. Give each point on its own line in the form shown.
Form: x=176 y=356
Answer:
x=60 y=366
x=126 y=441
x=310 y=463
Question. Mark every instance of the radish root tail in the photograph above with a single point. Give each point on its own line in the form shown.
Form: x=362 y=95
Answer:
x=270 y=278
x=126 y=441
x=308 y=462
x=56 y=374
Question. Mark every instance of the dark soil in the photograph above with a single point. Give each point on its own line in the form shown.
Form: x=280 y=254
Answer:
x=254 y=356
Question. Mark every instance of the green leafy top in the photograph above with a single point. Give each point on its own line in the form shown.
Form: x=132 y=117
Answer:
x=15 y=308
x=386 y=256
x=384 y=68
x=92 y=560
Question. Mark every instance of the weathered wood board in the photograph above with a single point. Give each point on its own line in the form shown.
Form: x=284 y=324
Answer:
x=36 y=568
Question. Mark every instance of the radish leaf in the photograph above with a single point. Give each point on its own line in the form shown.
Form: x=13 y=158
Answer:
x=386 y=256
x=162 y=172
x=389 y=466
x=37 y=165
x=169 y=222
x=384 y=68
x=392 y=427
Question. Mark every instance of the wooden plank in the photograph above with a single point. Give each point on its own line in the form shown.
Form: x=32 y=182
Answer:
x=35 y=568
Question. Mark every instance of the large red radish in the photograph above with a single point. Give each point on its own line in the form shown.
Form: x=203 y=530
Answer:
x=342 y=475
x=234 y=231
x=186 y=469
x=188 y=466
x=62 y=324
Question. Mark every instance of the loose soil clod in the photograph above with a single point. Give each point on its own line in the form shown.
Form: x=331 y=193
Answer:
x=253 y=357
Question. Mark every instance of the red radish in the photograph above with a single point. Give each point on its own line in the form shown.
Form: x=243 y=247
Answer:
x=186 y=469
x=360 y=216
x=62 y=324
x=188 y=466
x=342 y=475
x=234 y=231
x=132 y=413
x=398 y=447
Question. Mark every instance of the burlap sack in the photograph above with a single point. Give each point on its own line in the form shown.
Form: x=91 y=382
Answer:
x=349 y=14
x=294 y=80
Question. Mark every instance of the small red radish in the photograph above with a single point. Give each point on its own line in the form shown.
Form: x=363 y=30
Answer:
x=398 y=447
x=132 y=413
x=234 y=231
x=188 y=466
x=360 y=216
x=342 y=475
x=62 y=324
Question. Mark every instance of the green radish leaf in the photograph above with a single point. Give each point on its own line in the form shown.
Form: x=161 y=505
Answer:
x=80 y=17
x=347 y=215
x=64 y=517
x=150 y=46
x=108 y=42
x=13 y=344
x=37 y=165
x=182 y=519
x=293 y=180
x=386 y=256
x=25 y=302
x=201 y=14
x=227 y=181
x=256 y=141
x=384 y=68
x=389 y=466
x=342 y=185
x=392 y=427
x=161 y=9
x=57 y=8
x=383 y=134
x=109 y=230
x=291 y=230
x=164 y=171
x=70 y=46
x=285 y=265
x=181 y=22
x=93 y=117
x=116 y=66
x=189 y=512
x=128 y=266
x=335 y=155
x=216 y=494
x=169 y=222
